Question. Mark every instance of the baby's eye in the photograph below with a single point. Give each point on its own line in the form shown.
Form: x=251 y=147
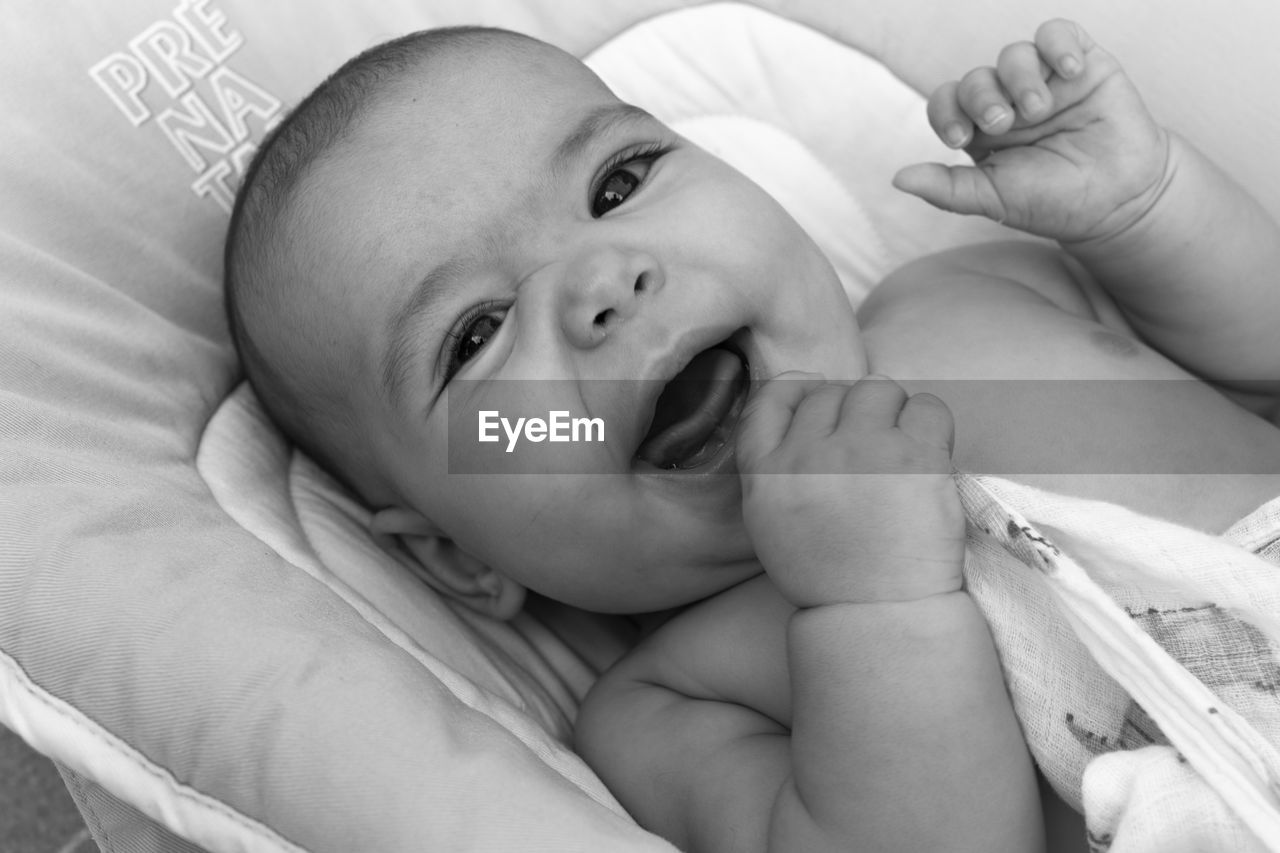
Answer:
x=623 y=177
x=471 y=334
x=615 y=189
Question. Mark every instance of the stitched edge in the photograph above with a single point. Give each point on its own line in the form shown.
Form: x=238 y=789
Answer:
x=58 y=730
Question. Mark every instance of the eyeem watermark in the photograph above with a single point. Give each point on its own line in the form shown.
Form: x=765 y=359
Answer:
x=557 y=427
x=1010 y=427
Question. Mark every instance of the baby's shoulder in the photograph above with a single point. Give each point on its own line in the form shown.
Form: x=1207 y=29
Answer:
x=997 y=310
x=987 y=279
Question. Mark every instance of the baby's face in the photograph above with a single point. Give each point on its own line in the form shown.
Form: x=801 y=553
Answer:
x=509 y=237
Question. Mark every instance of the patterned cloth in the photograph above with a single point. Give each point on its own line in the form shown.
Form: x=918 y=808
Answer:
x=1141 y=657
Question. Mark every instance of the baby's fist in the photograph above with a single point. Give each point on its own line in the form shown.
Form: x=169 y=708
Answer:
x=847 y=491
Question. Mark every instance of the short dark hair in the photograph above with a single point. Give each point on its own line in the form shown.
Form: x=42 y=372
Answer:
x=256 y=274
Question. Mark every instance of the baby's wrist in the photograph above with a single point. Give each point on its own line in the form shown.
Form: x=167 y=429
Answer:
x=888 y=606
x=1138 y=221
x=921 y=624
x=898 y=571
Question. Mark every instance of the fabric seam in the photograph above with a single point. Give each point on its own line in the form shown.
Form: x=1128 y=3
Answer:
x=13 y=674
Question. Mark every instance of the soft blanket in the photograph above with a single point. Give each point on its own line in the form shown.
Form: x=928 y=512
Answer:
x=1141 y=659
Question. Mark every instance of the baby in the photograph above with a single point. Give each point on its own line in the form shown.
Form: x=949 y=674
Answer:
x=462 y=207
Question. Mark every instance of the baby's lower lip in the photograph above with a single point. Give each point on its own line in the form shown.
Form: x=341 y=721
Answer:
x=722 y=461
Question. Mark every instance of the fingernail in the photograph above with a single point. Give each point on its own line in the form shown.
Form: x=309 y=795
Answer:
x=955 y=135
x=1031 y=103
x=994 y=115
x=1070 y=66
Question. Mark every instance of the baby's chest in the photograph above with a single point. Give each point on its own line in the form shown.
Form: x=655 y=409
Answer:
x=1066 y=403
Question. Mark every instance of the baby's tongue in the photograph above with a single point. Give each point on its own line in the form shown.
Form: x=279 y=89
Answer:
x=688 y=414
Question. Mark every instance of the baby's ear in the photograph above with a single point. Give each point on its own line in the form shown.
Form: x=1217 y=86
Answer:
x=448 y=569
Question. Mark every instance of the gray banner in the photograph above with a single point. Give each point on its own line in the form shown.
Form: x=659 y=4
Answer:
x=1003 y=427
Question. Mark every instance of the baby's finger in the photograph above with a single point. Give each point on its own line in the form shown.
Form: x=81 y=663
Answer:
x=873 y=403
x=927 y=419
x=1063 y=44
x=818 y=413
x=1022 y=74
x=957 y=189
x=946 y=118
x=767 y=415
x=983 y=99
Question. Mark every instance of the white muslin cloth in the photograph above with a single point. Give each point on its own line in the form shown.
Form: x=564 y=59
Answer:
x=1141 y=657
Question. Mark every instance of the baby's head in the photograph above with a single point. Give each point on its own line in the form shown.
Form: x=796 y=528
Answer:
x=463 y=207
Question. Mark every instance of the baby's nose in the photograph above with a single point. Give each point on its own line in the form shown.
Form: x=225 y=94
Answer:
x=603 y=291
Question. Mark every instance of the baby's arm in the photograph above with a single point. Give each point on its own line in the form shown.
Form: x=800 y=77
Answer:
x=898 y=733
x=1064 y=148
x=902 y=735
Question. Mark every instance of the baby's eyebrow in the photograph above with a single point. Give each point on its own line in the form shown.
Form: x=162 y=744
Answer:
x=595 y=123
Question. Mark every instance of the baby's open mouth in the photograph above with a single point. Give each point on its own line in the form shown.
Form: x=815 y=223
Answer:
x=697 y=411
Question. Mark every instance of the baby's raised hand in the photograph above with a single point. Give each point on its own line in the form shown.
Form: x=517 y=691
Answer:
x=1062 y=144
x=847 y=491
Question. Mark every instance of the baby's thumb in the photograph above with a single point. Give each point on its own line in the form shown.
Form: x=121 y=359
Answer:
x=767 y=416
x=956 y=189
